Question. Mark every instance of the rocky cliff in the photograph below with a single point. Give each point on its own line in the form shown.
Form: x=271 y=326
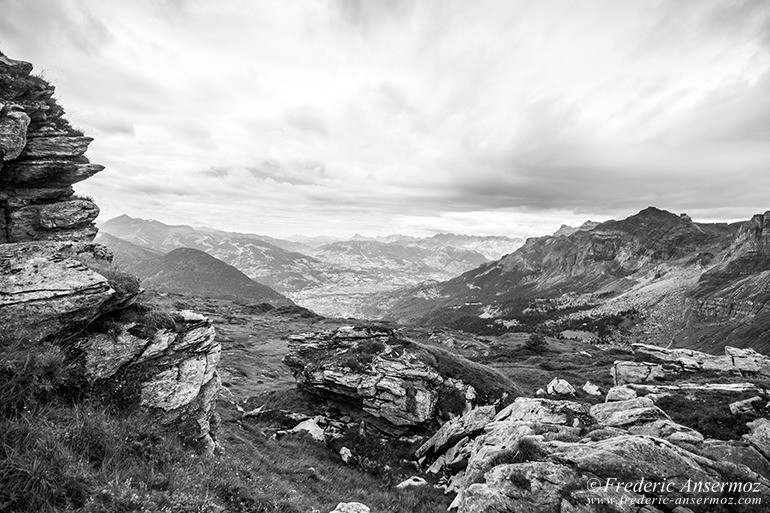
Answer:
x=58 y=289
x=41 y=156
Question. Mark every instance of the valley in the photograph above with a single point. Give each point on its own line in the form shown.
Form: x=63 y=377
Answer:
x=336 y=278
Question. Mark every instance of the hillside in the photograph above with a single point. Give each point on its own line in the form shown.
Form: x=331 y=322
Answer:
x=126 y=254
x=278 y=268
x=336 y=278
x=694 y=283
x=191 y=271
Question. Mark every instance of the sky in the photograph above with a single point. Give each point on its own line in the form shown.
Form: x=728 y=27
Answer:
x=415 y=117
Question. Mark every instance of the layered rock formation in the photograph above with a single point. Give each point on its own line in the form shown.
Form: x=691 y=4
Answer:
x=396 y=382
x=562 y=456
x=41 y=156
x=58 y=287
x=667 y=363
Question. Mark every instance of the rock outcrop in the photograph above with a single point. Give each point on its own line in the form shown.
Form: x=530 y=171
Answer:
x=57 y=287
x=41 y=156
x=396 y=382
x=735 y=360
x=561 y=456
x=46 y=290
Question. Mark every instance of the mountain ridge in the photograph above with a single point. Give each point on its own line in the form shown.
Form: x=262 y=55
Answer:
x=654 y=260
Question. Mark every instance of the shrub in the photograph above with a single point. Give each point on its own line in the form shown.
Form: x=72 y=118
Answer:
x=536 y=343
x=451 y=401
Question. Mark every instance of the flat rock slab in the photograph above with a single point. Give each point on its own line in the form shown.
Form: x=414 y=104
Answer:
x=625 y=413
x=43 y=291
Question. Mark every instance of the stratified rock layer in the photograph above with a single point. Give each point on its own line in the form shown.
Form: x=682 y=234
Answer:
x=47 y=293
x=57 y=287
x=392 y=379
x=41 y=156
x=44 y=290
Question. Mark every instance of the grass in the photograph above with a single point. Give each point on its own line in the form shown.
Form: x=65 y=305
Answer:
x=85 y=458
x=31 y=374
x=710 y=414
x=124 y=284
x=148 y=317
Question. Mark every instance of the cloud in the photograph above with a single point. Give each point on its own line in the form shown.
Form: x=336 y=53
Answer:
x=347 y=116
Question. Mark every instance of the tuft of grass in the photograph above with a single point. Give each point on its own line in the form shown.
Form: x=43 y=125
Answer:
x=709 y=413
x=31 y=375
x=124 y=284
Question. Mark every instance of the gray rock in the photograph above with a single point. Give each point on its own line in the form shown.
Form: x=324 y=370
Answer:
x=395 y=380
x=43 y=291
x=541 y=410
x=412 y=482
x=351 y=507
x=734 y=360
x=668 y=430
x=739 y=452
x=13 y=132
x=591 y=389
x=636 y=372
x=311 y=427
x=56 y=147
x=759 y=437
x=620 y=393
x=624 y=413
x=560 y=387
x=457 y=428
x=745 y=406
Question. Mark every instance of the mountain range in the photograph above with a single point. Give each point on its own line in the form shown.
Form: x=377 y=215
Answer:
x=188 y=271
x=334 y=278
x=697 y=284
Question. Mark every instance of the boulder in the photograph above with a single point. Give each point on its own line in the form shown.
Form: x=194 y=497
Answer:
x=759 y=437
x=625 y=413
x=412 y=482
x=745 y=406
x=531 y=457
x=390 y=380
x=591 y=389
x=668 y=430
x=346 y=455
x=621 y=393
x=739 y=452
x=531 y=486
x=470 y=423
x=735 y=360
x=351 y=507
x=44 y=290
x=560 y=387
x=170 y=373
x=311 y=427
x=545 y=411
x=636 y=372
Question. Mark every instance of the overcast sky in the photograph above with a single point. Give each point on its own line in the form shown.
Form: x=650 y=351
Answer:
x=336 y=117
